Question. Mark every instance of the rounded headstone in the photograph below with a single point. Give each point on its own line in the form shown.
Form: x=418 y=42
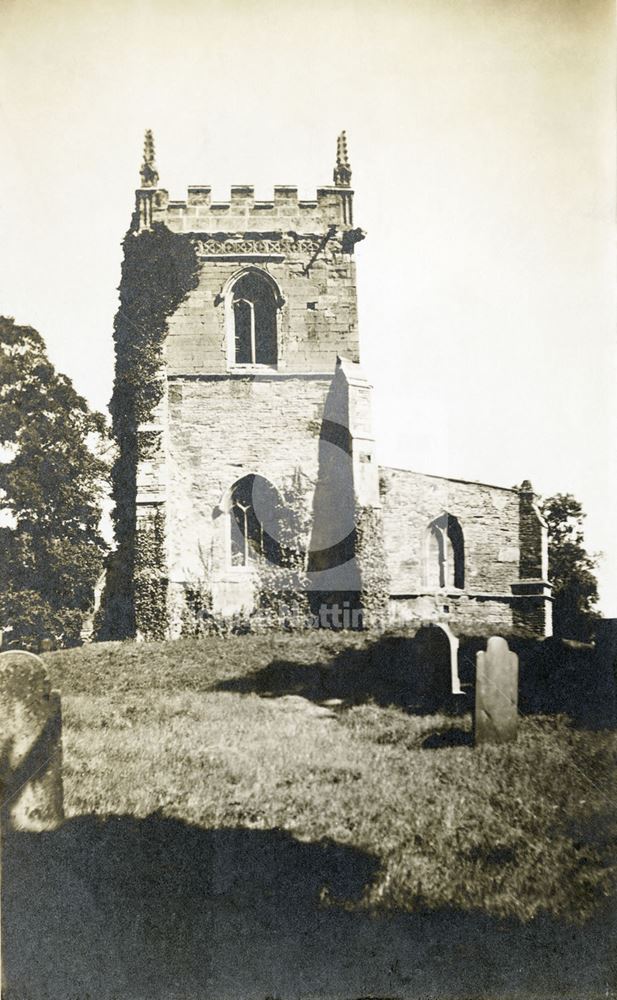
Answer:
x=30 y=744
x=496 y=706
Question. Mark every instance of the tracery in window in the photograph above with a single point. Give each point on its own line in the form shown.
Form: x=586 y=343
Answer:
x=254 y=320
x=253 y=511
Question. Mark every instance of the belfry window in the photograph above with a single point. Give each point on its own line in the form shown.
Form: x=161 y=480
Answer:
x=254 y=321
x=445 y=554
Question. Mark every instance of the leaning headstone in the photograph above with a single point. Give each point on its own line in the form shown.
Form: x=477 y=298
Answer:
x=30 y=750
x=30 y=745
x=496 y=713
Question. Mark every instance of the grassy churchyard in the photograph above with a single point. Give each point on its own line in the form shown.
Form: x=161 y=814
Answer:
x=267 y=817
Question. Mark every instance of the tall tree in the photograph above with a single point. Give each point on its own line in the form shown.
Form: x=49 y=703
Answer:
x=571 y=568
x=51 y=487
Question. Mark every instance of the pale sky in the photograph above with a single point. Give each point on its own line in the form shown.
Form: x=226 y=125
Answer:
x=482 y=141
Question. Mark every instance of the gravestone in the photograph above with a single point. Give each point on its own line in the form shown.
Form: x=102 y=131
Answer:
x=30 y=751
x=435 y=678
x=496 y=712
x=30 y=745
x=432 y=658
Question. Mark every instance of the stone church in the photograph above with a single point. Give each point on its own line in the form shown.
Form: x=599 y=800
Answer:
x=261 y=390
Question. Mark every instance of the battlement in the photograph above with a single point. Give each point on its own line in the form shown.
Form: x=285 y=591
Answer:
x=199 y=213
x=332 y=206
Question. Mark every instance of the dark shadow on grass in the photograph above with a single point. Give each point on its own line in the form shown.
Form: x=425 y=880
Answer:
x=386 y=672
x=161 y=910
x=493 y=855
x=563 y=676
x=448 y=738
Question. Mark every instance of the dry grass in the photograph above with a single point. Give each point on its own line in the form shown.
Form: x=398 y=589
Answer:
x=512 y=831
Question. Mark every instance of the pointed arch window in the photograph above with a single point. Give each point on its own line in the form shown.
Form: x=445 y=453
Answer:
x=254 y=308
x=253 y=512
x=445 y=554
x=246 y=534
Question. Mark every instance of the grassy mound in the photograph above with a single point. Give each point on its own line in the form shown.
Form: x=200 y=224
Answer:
x=308 y=735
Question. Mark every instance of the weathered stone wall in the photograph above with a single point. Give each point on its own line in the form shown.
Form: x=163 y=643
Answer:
x=494 y=550
x=467 y=614
x=220 y=430
x=305 y=246
x=223 y=428
x=488 y=517
x=316 y=321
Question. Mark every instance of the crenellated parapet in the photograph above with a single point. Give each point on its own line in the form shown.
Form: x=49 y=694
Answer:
x=241 y=212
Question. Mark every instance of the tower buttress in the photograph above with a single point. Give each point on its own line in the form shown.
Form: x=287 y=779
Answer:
x=533 y=590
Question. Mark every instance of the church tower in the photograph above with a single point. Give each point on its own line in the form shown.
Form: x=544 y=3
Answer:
x=237 y=384
x=246 y=472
